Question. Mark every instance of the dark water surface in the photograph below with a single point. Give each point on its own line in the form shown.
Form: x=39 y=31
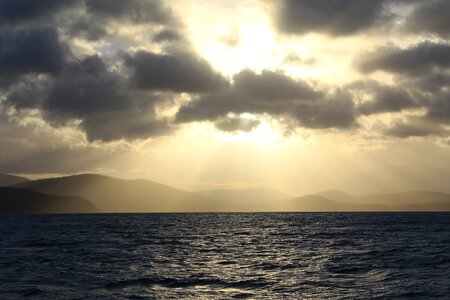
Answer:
x=223 y=256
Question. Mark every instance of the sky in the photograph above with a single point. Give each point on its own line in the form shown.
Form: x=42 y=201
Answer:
x=296 y=95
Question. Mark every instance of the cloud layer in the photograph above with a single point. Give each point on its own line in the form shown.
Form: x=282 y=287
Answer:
x=105 y=68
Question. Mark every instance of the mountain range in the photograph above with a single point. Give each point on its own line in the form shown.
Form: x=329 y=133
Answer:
x=108 y=194
x=6 y=180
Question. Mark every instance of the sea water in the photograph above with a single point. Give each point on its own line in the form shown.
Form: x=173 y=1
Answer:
x=223 y=256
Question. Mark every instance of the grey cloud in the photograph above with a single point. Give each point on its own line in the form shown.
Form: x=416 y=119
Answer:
x=86 y=87
x=337 y=112
x=432 y=17
x=131 y=124
x=416 y=127
x=137 y=11
x=87 y=27
x=273 y=86
x=28 y=92
x=173 y=72
x=107 y=108
x=13 y=11
x=30 y=148
x=30 y=51
x=337 y=17
x=439 y=108
x=433 y=82
x=167 y=35
x=384 y=98
x=417 y=60
x=233 y=124
x=253 y=93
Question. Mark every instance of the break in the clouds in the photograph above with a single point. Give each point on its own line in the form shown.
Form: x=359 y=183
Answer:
x=126 y=70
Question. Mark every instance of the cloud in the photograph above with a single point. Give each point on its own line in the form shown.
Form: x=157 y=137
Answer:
x=335 y=18
x=272 y=86
x=274 y=94
x=101 y=100
x=130 y=124
x=183 y=72
x=432 y=82
x=383 y=98
x=430 y=17
x=36 y=50
x=28 y=92
x=233 y=124
x=416 y=127
x=14 y=11
x=137 y=11
x=417 y=60
x=439 y=108
x=167 y=35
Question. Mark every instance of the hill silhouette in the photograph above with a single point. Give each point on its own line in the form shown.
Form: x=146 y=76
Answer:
x=119 y=195
x=14 y=200
x=6 y=179
x=404 y=201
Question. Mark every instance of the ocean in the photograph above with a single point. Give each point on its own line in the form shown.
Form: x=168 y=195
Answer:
x=226 y=256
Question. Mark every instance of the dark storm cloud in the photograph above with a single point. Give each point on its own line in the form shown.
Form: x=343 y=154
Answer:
x=103 y=101
x=28 y=92
x=86 y=87
x=233 y=124
x=384 y=98
x=13 y=11
x=137 y=11
x=87 y=27
x=107 y=108
x=257 y=93
x=173 y=72
x=30 y=51
x=336 y=17
x=416 y=127
x=417 y=60
x=432 y=17
x=38 y=70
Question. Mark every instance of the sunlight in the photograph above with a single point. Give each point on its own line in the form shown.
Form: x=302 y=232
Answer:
x=253 y=50
x=265 y=135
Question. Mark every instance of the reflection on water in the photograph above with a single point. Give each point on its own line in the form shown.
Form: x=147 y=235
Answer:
x=278 y=255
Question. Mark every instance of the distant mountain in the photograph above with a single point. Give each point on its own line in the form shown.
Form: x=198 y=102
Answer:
x=337 y=195
x=119 y=195
x=407 y=198
x=6 y=179
x=317 y=203
x=14 y=200
x=405 y=201
x=249 y=199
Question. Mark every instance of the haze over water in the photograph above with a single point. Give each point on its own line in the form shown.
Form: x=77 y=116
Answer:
x=222 y=256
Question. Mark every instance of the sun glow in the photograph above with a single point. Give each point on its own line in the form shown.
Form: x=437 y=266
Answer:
x=265 y=135
x=230 y=41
